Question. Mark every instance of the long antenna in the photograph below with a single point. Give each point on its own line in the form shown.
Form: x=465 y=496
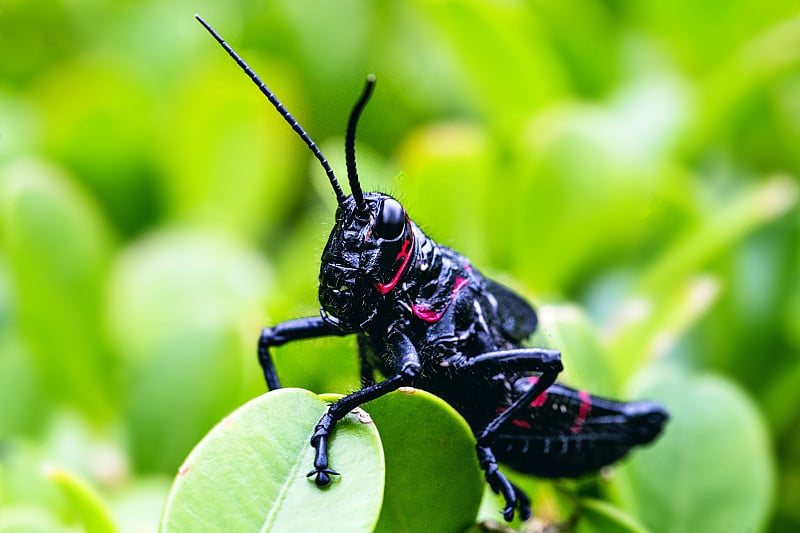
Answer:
x=350 y=143
x=340 y=197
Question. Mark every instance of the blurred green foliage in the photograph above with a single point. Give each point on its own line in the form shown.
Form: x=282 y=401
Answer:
x=637 y=159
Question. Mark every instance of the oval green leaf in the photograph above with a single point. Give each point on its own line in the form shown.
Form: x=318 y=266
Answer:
x=249 y=472
x=599 y=516
x=180 y=302
x=712 y=468
x=57 y=244
x=84 y=501
x=433 y=481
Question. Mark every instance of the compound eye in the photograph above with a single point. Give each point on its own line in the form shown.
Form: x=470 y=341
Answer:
x=391 y=220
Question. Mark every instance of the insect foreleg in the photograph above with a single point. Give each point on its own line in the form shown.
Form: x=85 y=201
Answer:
x=407 y=364
x=291 y=330
x=319 y=440
x=404 y=354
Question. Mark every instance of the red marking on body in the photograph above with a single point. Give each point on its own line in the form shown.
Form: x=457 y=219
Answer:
x=583 y=411
x=183 y=470
x=405 y=255
x=539 y=400
x=516 y=421
x=542 y=398
x=429 y=315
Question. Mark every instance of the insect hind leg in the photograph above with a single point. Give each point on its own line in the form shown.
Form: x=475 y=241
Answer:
x=514 y=496
x=546 y=362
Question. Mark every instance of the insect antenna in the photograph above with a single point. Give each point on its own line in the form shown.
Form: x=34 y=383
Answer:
x=350 y=143
x=340 y=197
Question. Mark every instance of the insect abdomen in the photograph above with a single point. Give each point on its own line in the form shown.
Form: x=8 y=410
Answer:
x=568 y=433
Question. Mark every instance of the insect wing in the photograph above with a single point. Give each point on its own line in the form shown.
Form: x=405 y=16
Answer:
x=517 y=317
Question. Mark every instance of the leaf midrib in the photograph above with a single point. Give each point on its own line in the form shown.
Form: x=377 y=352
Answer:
x=281 y=498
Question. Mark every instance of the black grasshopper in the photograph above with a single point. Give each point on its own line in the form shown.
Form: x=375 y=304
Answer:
x=425 y=317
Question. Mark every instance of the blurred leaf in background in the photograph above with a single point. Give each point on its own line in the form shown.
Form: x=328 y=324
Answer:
x=633 y=166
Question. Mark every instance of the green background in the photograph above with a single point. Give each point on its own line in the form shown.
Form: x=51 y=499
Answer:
x=630 y=167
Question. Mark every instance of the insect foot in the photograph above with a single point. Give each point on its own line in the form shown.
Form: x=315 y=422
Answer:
x=319 y=441
x=499 y=483
x=323 y=478
x=321 y=471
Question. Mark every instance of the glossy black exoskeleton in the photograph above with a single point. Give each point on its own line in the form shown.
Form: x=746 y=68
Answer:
x=425 y=317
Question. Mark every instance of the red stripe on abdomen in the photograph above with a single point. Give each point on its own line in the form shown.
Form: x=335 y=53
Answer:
x=583 y=411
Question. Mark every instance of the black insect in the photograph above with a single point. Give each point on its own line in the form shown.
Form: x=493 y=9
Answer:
x=425 y=317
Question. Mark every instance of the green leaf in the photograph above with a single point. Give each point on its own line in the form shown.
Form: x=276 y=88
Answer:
x=249 y=472
x=30 y=519
x=597 y=515
x=712 y=468
x=83 y=501
x=219 y=172
x=97 y=136
x=520 y=47
x=137 y=506
x=22 y=483
x=434 y=159
x=669 y=298
x=183 y=311
x=57 y=246
x=18 y=384
x=567 y=328
x=433 y=481
x=647 y=328
x=728 y=88
x=758 y=205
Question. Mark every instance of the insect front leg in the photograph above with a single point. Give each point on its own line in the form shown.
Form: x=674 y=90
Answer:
x=548 y=363
x=407 y=365
x=283 y=332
